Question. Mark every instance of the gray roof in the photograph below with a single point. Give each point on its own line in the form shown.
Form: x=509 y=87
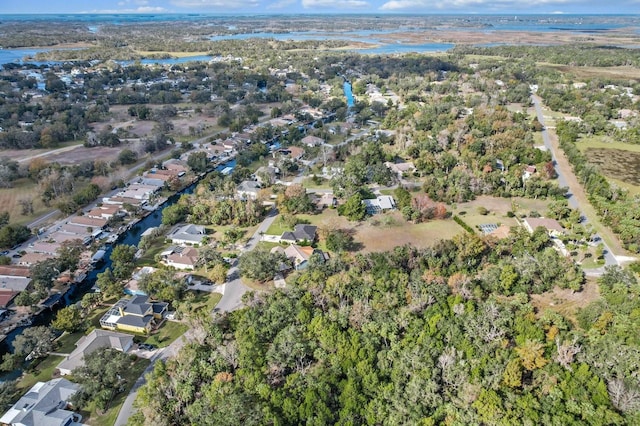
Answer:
x=137 y=306
x=190 y=233
x=300 y=233
x=97 y=339
x=135 y=321
x=44 y=405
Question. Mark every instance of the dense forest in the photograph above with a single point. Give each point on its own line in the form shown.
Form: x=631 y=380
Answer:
x=441 y=335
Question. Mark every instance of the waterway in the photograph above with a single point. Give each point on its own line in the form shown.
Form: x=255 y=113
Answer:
x=130 y=237
x=348 y=93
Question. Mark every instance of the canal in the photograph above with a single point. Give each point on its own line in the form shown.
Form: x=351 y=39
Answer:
x=130 y=237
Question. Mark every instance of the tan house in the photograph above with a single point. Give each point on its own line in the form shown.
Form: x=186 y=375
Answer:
x=181 y=257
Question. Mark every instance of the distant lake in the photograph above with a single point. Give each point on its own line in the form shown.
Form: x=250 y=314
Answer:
x=362 y=36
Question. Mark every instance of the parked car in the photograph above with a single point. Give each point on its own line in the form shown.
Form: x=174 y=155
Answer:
x=146 y=346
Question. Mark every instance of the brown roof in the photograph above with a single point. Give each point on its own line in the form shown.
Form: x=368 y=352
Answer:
x=550 y=224
x=31 y=258
x=6 y=296
x=15 y=271
x=88 y=221
x=501 y=231
x=295 y=151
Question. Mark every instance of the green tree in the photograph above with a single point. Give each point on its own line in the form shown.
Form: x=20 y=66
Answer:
x=260 y=264
x=36 y=342
x=123 y=260
x=101 y=378
x=198 y=162
x=68 y=319
x=353 y=208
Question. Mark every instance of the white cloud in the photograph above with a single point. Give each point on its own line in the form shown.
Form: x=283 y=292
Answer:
x=218 y=4
x=395 y=5
x=281 y=4
x=142 y=9
x=335 y=4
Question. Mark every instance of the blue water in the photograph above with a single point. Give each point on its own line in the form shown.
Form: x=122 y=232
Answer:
x=131 y=237
x=348 y=93
x=407 y=48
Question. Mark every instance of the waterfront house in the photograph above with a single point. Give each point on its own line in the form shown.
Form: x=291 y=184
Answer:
x=137 y=315
x=180 y=257
x=104 y=212
x=97 y=339
x=187 y=234
x=14 y=278
x=45 y=404
x=86 y=221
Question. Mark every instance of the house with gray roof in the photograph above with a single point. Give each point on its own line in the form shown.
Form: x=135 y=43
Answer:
x=248 y=189
x=137 y=315
x=300 y=234
x=46 y=404
x=97 y=339
x=187 y=234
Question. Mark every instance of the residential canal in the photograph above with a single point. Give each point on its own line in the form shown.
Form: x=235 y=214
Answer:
x=130 y=237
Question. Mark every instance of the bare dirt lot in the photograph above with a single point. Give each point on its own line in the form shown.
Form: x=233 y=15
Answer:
x=566 y=302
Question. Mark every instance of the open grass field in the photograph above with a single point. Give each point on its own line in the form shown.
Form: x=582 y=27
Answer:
x=379 y=234
x=619 y=162
x=10 y=201
x=566 y=302
x=625 y=72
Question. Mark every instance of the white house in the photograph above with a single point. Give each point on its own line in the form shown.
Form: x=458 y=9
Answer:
x=187 y=234
x=379 y=204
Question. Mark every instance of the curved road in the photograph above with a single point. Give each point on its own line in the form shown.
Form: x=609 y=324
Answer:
x=568 y=179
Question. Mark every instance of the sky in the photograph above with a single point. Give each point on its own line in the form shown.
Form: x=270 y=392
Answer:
x=322 y=6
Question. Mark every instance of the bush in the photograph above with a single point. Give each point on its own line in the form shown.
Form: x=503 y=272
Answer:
x=483 y=211
x=463 y=224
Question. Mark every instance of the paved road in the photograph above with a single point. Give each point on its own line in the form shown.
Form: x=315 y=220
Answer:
x=568 y=181
x=127 y=408
x=234 y=288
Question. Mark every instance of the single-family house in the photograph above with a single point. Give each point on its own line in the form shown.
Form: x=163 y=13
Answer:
x=176 y=165
x=326 y=200
x=528 y=172
x=187 y=234
x=379 y=204
x=6 y=296
x=97 y=339
x=14 y=278
x=104 y=212
x=137 y=315
x=248 y=189
x=30 y=259
x=300 y=233
x=312 y=141
x=400 y=169
x=88 y=222
x=300 y=255
x=552 y=226
x=266 y=175
x=45 y=404
x=180 y=257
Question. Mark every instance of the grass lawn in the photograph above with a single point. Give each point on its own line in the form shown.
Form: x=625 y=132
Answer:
x=67 y=342
x=42 y=372
x=278 y=227
x=206 y=301
x=309 y=183
x=169 y=332
x=22 y=189
x=148 y=257
x=91 y=417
